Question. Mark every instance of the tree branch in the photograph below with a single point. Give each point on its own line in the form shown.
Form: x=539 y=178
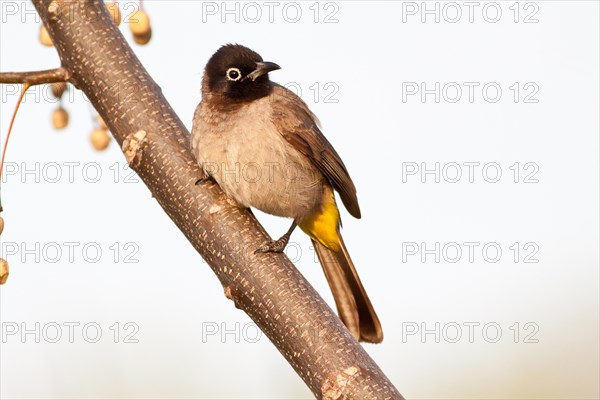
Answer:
x=266 y=286
x=36 y=77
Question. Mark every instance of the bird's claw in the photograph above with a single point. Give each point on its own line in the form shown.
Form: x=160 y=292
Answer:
x=273 y=246
x=204 y=179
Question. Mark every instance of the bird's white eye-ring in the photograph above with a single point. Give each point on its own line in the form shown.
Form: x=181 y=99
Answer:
x=233 y=74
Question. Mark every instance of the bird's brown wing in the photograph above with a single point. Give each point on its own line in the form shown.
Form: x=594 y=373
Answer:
x=299 y=126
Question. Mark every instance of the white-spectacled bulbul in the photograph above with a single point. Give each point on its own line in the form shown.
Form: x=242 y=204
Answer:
x=263 y=146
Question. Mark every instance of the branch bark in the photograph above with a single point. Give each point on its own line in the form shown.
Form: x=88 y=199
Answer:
x=267 y=287
x=35 y=77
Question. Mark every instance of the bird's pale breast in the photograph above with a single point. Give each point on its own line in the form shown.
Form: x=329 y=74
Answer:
x=253 y=163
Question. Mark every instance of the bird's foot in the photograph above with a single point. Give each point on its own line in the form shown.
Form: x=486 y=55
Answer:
x=204 y=179
x=273 y=246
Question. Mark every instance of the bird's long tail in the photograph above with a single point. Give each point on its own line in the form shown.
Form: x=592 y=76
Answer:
x=353 y=304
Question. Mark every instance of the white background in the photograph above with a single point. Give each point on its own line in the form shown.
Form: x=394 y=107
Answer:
x=371 y=56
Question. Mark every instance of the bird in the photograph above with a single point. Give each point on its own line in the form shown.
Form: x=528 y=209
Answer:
x=263 y=146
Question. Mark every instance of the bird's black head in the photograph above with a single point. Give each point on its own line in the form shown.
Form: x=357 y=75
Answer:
x=238 y=73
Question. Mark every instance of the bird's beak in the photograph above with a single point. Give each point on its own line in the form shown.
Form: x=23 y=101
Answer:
x=263 y=68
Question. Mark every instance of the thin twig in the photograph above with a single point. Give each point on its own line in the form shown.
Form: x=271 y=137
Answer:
x=12 y=121
x=36 y=77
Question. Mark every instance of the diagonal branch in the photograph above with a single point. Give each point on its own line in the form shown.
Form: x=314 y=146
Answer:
x=156 y=144
x=35 y=77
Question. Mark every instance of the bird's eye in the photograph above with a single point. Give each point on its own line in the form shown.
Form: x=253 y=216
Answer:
x=233 y=74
